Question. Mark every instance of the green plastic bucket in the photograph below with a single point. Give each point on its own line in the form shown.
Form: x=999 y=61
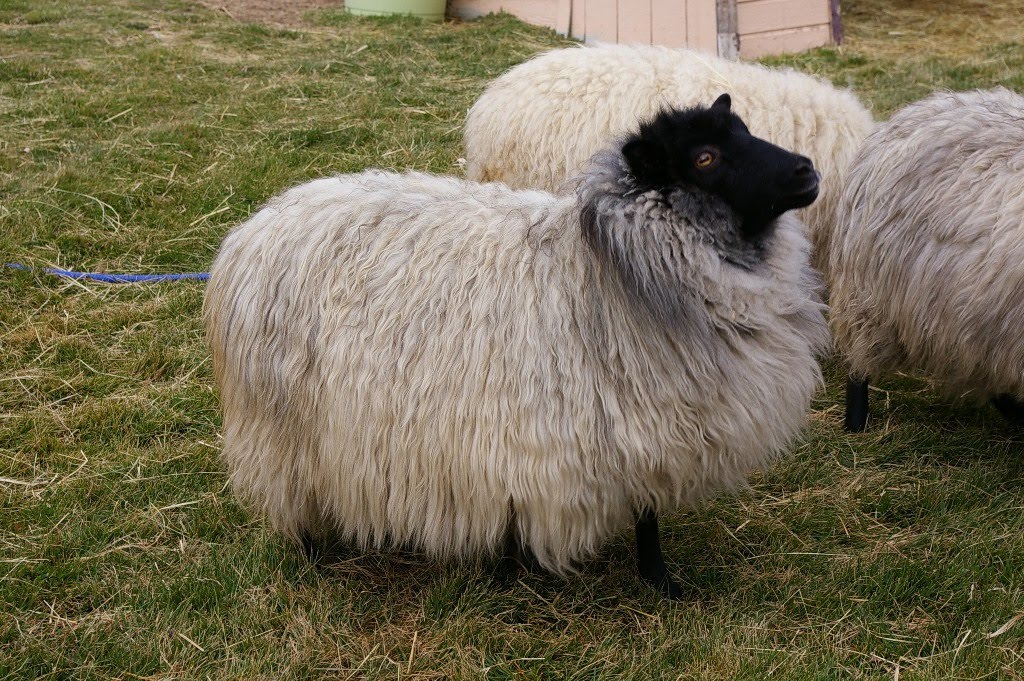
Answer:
x=429 y=10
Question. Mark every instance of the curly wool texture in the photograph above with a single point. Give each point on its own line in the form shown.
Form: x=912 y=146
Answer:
x=408 y=360
x=927 y=267
x=536 y=125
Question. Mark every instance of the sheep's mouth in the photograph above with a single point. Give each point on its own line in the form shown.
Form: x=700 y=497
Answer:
x=805 y=196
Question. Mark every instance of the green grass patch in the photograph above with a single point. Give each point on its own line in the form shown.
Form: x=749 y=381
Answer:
x=133 y=135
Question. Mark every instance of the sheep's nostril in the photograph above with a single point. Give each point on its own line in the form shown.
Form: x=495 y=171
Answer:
x=804 y=168
x=805 y=183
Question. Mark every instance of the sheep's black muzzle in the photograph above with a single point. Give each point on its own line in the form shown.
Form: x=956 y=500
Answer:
x=804 y=184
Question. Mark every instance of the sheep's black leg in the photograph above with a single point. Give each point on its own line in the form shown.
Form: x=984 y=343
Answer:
x=649 y=559
x=515 y=556
x=1010 y=407
x=856 y=404
x=310 y=547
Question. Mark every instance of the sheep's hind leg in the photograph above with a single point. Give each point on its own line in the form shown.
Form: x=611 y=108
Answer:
x=1010 y=407
x=650 y=561
x=856 y=404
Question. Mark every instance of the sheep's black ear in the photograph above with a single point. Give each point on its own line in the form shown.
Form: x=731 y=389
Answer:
x=646 y=161
x=724 y=102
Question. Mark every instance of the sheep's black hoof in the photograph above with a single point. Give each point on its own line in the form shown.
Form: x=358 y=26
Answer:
x=1010 y=407
x=519 y=559
x=663 y=582
x=509 y=568
x=650 y=561
x=856 y=405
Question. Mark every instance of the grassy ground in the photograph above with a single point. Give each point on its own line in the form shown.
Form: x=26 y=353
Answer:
x=134 y=134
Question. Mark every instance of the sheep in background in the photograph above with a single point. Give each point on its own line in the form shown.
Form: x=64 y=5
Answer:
x=409 y=360
x=926 y=270
x=536 y=125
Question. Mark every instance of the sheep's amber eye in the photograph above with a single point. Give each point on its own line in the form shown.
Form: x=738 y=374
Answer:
x=704 y=159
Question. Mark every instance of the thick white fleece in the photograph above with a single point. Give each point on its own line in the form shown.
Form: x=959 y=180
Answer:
x=428 y=362
x=927 y=267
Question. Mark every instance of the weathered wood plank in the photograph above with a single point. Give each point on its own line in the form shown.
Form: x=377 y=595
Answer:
x=578 y=19
x=564 y=16
x=781 y=15
x=755 y=45
x=602 y=21
x=836 y=22
x=668 y=22
x=634 y=21
x=728 y=34
x=702 y=25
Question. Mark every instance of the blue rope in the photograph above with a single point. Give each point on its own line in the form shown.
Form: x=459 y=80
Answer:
x=115 y=278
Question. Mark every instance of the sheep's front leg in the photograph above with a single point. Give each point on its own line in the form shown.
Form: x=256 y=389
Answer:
x=649 y=559
x=856 y=404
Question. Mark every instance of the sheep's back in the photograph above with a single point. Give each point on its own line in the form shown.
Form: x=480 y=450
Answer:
x=927 y=270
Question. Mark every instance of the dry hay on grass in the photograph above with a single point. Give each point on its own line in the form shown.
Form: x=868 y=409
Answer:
x=939 y=28
x=288 y=13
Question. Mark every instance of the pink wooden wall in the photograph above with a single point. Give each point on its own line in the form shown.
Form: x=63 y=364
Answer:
x=674 y=23
x=775 y=26
x=764 y=26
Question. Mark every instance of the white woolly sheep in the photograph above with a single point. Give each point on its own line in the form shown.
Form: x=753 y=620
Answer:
x=409 y=360
x=927 y=265
x=536 y=125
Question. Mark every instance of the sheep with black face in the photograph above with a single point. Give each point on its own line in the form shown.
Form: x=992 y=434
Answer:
x=409 y=360
x=536 y=125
